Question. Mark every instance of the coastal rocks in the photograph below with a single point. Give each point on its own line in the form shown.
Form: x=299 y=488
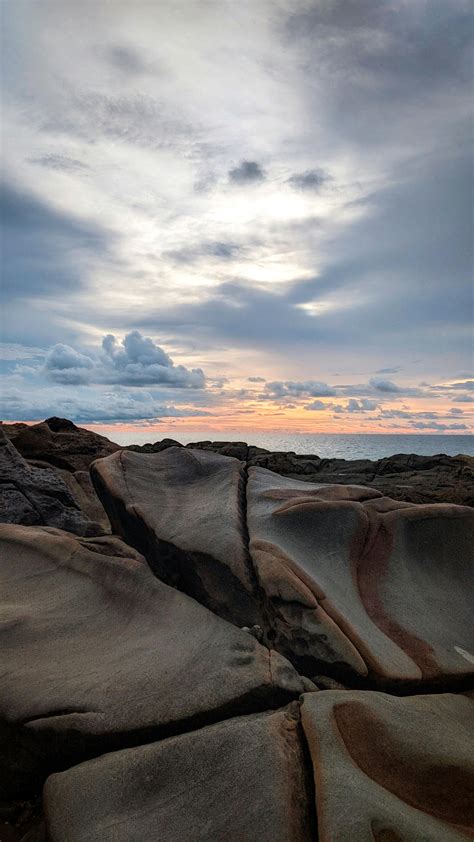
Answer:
x=342 y=581
x=407 y=477
x=60 y=443
x=38 y=496
x=391 y=769
x=239 y=780
x=357 y=583
x=185 y=511
x=98 y=655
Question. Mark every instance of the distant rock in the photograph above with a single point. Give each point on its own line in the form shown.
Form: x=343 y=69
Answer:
x=391 y=769
x=38 y=496
x=98 y=655
x=243 y=779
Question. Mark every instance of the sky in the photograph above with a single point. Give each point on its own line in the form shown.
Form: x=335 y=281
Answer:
x=253 y=215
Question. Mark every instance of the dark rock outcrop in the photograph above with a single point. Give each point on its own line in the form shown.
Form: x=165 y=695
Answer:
x=38 y=495
x=391 y=769
x=60 y=443
x=98 y=654
x=243 y=779
x=343 y=581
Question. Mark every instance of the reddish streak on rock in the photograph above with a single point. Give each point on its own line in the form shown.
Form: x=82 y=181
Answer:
x=370 y=566
x=443 y=791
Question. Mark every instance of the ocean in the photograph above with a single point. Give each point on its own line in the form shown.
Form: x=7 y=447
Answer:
x=330 y=446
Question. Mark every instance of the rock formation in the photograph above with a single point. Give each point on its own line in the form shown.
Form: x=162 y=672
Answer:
x=99 y=654
x=319 y=567
x=38 y=496
x=150 y=717
x=391 y=769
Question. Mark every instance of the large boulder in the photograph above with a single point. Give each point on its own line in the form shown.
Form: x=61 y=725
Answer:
x=60 y=443
x=243 y=779
x=31 y=495
x=185 y=510
x=98 y=654
x=391 y=769
x=355 y=582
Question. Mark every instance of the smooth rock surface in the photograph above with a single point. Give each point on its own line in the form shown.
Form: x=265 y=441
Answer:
x=38 y=496
x=243 y=779
x=185 y=511
x=98 y=654
x=358 y=583
x=391 y=769
x=403 y=476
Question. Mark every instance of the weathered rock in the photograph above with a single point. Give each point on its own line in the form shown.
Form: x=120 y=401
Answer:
x=391 y=769
x=357 y=583
x=241 y=779
x=60 y=443
x=407 y=477
x=98 y=654
x=38 y=496
x=184 y=510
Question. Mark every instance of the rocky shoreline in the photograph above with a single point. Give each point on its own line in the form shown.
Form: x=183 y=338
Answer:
x=268 y=646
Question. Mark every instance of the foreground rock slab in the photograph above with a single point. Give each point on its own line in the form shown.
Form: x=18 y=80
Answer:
x=391 y=769
x=241 y=779
x=38 y=496
x=363 y=583
x=98 y=654
x=185 y=510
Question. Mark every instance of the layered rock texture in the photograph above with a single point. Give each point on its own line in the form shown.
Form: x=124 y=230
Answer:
x=255 y=657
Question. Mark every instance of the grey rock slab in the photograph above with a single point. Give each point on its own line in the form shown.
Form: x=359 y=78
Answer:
x=185 y=511
x=31 y=495
x=98 y=654
x=363 y=584
x=243 y=779
x=391 y=769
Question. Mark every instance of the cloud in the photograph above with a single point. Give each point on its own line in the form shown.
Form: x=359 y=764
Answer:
x=464 y=399
x=125 y=59
x=68 y=366
x=385 y=385
x=135 y=361
x=353 y=405
x=247 y=172
x=310 y=180
x=55 y=161
x=316 y=405
x=218 y=249
x=393 y=371
x=309 y=388
x=256 y=379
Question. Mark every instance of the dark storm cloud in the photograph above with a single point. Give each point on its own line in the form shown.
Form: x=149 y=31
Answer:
x=43 y=251
x=310 y=180
x=247 y=172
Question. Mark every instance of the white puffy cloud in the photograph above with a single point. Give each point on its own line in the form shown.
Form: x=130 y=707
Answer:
x=135 y=361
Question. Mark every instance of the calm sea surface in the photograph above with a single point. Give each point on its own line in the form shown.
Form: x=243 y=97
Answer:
x=346 y=446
